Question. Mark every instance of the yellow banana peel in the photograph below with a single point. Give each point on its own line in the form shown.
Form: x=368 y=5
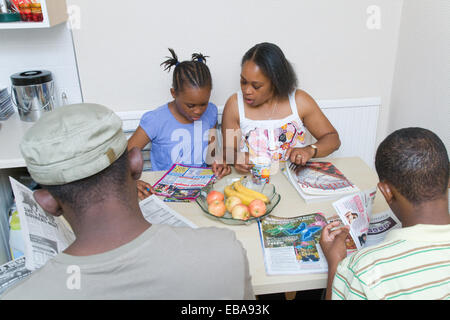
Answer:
x=246 y=199
x=239 y=187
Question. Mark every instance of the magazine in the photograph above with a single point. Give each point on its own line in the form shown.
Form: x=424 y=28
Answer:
x=379 y=226
x=183 y=182
x=355 y=211
x=319 y=181
x=291 y=245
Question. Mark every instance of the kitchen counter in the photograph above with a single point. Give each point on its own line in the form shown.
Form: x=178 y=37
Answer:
x=11 y=133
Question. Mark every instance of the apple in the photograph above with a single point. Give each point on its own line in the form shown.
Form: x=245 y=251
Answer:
x=257 y=208
x=214 y=196
x=231 y=202
x=217 y=208
x=240 y=211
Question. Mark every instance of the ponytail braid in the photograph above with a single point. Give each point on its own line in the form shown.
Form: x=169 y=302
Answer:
x=194 y=73
x=171 y=61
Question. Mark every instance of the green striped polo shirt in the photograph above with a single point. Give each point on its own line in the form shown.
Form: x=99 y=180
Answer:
x=411 y=263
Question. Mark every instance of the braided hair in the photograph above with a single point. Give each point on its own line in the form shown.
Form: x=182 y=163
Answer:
x=194 y=72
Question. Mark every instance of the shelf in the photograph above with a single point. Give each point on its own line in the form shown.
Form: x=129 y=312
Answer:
x=54 y=12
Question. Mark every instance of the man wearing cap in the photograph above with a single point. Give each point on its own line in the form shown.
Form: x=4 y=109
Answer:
x=78 y=154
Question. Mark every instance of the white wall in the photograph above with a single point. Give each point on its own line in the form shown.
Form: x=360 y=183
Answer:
x=120 y=47
x=37 y=49
x=421 y=88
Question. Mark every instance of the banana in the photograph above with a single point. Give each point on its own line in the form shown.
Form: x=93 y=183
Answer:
x=246 y=199
x=249 y=192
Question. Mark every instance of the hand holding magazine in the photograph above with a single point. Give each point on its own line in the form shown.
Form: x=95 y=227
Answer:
x=355 y=211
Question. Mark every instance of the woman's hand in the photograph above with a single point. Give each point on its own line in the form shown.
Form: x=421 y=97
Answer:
x=144 y=189
x=299 y=156
x=221 y=170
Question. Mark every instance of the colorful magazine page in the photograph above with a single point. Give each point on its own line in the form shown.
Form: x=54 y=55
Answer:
x=291 y=245
x=321 y=178
x=183 y=182
x=349 y=243
x=353 y=212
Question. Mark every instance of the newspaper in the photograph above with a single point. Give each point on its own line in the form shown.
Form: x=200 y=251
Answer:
x=291 y=245
x=156 y=211
x=44 y=235
x=355 y=211
x=12 y=272
x=183 y=182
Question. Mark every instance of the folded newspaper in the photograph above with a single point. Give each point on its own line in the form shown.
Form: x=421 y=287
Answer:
x=45 y=236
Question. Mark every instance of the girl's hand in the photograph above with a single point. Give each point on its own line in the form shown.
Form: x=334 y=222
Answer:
x=242 y=164
x=221 y=170
x=333 y=243
x=144 y=189
x=299 y=156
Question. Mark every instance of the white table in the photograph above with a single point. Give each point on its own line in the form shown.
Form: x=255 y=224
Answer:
x=291 y=205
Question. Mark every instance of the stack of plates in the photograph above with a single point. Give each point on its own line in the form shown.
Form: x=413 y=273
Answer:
x=6 y=107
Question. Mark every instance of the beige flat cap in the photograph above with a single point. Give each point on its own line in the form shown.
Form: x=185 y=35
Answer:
x=72 y=142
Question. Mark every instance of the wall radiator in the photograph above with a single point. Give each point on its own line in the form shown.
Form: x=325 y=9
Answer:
x=356 y=121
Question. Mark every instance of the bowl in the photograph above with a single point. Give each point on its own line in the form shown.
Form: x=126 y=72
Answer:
x=266 y=189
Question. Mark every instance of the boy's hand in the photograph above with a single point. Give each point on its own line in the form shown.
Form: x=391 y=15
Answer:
x=333 y=243
x=144 y=189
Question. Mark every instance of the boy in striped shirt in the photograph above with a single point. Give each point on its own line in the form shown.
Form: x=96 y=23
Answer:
x=412 y=262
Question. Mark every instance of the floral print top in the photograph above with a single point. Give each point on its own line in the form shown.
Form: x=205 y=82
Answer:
x=271 y=138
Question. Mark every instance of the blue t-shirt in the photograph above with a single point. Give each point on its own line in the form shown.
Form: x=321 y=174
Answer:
x=175 y=142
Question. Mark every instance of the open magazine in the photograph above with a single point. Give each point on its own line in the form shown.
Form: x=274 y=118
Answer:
x=183 y=182
x=319 y=181
x=379 y=226
x=45 y=236
x=291 y=245
x=355 y=211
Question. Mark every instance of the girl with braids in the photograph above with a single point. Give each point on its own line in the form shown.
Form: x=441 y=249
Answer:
x=180 y=130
